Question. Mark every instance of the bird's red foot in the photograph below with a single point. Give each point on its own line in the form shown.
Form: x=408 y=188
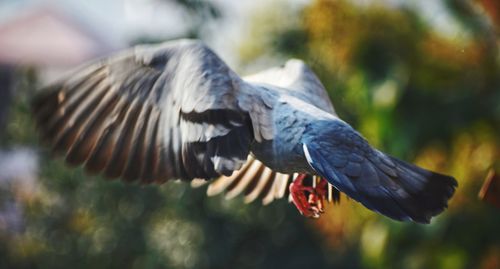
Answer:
x=309 y=200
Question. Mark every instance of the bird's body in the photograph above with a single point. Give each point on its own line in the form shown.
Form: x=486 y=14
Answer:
x=290 y=116
x=175 y=110
x=298 y=98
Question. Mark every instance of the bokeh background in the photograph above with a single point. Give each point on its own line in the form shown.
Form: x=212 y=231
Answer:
x=419 y=79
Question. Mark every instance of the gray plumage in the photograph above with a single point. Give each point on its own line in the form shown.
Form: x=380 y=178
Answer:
x=176 y=111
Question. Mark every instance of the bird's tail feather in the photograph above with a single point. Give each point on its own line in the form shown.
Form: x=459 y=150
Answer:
x=382 y=183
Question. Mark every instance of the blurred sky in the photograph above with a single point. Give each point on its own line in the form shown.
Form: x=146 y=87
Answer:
x=127 y=20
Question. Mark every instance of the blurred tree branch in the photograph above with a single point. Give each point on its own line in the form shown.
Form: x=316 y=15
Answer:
x=490 y=191
x=199 y=7
x=6 y=81
x=200 y=12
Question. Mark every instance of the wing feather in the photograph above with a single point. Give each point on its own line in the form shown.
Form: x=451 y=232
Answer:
x=154 y=113
x=253 y=193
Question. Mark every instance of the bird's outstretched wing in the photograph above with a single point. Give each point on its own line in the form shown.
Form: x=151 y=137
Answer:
x=153 y=113
x=382 y=183
x=255 y=180
x=297 y=78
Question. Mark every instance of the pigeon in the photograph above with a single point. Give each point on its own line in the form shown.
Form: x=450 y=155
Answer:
x=176 y=111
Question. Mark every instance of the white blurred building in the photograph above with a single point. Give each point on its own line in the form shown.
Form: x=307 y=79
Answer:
x=50 y=35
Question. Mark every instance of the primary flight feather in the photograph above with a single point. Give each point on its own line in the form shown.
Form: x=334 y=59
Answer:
x=177 y=111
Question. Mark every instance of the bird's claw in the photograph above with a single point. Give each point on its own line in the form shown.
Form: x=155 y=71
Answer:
x=308 y=200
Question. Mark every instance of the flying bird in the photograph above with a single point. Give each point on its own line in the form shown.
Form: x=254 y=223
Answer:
x=175 y=110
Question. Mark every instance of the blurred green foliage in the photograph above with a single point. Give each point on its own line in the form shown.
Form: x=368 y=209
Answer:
x=411 y=90
x=419 y=94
